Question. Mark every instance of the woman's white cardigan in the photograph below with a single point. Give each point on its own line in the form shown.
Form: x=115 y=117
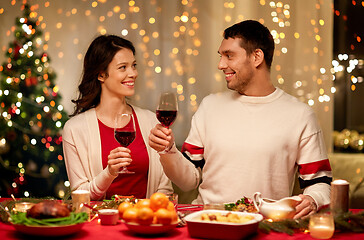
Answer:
x=82 y=153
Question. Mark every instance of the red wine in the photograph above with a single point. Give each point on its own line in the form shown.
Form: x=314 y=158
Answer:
x=166 y=117
x=124 y=138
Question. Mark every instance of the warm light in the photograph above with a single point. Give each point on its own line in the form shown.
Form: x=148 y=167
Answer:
x=184 y=18
x=158 y=69
x=151 y=20
x=157 y=52
x=124 y=32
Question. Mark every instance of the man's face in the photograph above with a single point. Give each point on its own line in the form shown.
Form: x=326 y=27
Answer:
x=236 y=64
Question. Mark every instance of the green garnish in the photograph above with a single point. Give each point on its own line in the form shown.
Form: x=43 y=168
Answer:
x=74 y=218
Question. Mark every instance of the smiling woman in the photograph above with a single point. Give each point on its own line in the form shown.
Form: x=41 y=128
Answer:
x=93 y=157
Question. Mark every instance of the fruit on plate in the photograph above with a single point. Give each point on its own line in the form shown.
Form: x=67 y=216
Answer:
x=158 y=200
x=156 y=210
x=123 y=206
x=131 y=215
x=145 y=216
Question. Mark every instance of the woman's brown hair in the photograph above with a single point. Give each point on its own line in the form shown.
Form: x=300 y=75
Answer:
x=97 y=59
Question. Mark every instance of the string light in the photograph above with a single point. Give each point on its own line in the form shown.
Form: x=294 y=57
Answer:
x=185 y=29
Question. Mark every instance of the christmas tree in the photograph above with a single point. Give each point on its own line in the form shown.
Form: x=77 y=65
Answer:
x=31 y=116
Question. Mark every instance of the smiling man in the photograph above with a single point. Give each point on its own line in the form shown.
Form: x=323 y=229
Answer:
x=253 y=138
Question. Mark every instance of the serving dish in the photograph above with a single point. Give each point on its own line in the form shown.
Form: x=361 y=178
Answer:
x=198 y=228
x=151 y=229
x=49 y=231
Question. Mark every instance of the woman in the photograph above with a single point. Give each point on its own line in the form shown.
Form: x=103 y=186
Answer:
x=93 y=157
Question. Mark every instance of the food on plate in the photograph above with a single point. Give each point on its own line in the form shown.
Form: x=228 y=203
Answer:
x=145 y=216
x=228 y=217
x=123 y=206
x=48 y=209
x=158 y=200
x=130 y=215
x=156 y=210
x=243 y=205
x=143 y=203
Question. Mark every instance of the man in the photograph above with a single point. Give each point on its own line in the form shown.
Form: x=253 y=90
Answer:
x=251 y=139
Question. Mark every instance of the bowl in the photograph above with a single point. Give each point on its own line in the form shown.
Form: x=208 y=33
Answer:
x=198 y=228
x=151 y=229
x=108 y=216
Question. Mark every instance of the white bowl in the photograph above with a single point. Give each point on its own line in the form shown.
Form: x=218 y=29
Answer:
x=221 y=230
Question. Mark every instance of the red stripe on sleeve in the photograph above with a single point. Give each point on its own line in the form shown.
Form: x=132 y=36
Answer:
x=310 y=168
x=192 y=148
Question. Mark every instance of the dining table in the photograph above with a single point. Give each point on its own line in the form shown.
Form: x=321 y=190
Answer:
x=94 y=230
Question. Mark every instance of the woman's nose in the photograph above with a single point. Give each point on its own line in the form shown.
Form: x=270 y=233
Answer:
x=133 y=73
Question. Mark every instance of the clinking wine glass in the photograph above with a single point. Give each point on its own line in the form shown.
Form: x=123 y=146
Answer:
x=124 y=132
x=167 y=111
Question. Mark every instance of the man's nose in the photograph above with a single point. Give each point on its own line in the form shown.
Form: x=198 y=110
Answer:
x=222 y=64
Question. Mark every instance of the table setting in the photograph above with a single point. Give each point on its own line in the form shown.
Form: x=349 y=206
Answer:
x=161 y=217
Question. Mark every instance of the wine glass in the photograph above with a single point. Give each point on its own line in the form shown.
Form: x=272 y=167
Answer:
x=167 y=110
x=124 y=132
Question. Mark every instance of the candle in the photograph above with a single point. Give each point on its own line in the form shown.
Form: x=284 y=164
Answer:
x=339 y=196
x=321 y=226
x=79 y=197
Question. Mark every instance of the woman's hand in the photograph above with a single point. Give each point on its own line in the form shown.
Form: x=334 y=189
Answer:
x=161 y=138
x=306 y=208
x=118 y=158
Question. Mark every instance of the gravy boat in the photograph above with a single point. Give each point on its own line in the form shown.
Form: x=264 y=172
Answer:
x=276 y=210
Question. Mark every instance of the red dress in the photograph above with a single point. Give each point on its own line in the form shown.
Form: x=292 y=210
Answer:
x=127 y=184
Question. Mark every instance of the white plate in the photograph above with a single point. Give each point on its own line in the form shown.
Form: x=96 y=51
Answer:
x=49 y=231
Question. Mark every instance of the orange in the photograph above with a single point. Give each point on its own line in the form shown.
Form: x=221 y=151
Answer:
x=174 y=217
x=143 y=203
x=164 y=216
x=131 y=215
x=123 y=206
x=170 y=206
x=145 y=215
x=158 y=200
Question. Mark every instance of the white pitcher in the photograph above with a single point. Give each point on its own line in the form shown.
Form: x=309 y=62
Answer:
x=276 y=210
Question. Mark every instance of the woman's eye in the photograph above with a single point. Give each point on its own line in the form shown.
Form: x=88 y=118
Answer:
x=122 y=67
x=134 y=65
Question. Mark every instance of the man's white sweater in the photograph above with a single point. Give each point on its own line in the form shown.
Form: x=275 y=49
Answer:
x=252 y=144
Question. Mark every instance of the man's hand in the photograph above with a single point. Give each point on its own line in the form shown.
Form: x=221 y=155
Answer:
x=161 y=138
x=306 y=207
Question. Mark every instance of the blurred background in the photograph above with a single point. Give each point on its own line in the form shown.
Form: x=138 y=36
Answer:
x=318 y=59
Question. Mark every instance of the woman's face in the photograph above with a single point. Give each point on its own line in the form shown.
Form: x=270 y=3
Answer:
x=122 y=74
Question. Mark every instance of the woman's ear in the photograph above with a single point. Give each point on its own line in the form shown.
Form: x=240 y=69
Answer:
x=258 y=57
x=101 y=77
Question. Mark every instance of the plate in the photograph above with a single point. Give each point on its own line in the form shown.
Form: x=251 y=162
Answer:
x=221 y=230
x=49 y=231
x=150 y=229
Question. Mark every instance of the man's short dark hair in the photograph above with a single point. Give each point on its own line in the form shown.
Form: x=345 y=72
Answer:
x=253 y=35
